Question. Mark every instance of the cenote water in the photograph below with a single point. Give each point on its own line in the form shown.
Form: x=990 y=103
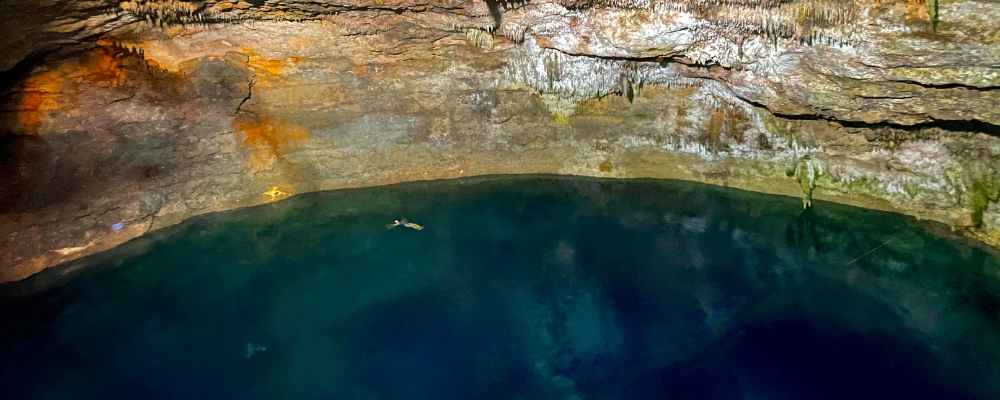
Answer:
x=517 y=288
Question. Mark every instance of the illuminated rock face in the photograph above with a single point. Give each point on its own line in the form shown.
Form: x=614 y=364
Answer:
x=123 y=117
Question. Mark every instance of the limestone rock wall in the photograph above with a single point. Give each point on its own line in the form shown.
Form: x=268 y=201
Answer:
x=124 y=116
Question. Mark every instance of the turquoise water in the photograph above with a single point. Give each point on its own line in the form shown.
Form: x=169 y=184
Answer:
x=517 y=288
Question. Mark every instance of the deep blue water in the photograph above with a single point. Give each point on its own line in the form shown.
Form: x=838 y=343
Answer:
x=518 y=288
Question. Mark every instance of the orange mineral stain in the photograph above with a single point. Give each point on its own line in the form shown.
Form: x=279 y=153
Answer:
x=46 y=91
x=39 y=97
x=916 y=10
x=265 y=69
x=100 y=67
x=267 y=139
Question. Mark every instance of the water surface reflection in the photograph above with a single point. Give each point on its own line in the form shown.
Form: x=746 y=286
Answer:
x=528 y=287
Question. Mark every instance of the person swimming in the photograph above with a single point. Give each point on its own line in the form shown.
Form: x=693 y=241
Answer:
x=405 y=223
x=253 y=348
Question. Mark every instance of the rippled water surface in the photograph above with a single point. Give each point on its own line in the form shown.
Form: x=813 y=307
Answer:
x=518 y=288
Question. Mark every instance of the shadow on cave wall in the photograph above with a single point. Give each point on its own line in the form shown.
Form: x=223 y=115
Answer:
x=33 y=174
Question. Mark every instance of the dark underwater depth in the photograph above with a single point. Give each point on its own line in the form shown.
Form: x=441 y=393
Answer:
x=517 y=288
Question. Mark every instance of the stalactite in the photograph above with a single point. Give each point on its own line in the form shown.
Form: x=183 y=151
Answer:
x=163 y=13
x=932 y=13
x=803 y=21
x=553 y=72
x=479 y=38
x=807 y=171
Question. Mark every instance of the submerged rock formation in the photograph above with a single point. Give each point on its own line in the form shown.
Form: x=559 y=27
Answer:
x=124 y=116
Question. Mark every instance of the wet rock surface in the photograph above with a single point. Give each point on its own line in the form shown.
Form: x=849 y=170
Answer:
x=123 y=117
